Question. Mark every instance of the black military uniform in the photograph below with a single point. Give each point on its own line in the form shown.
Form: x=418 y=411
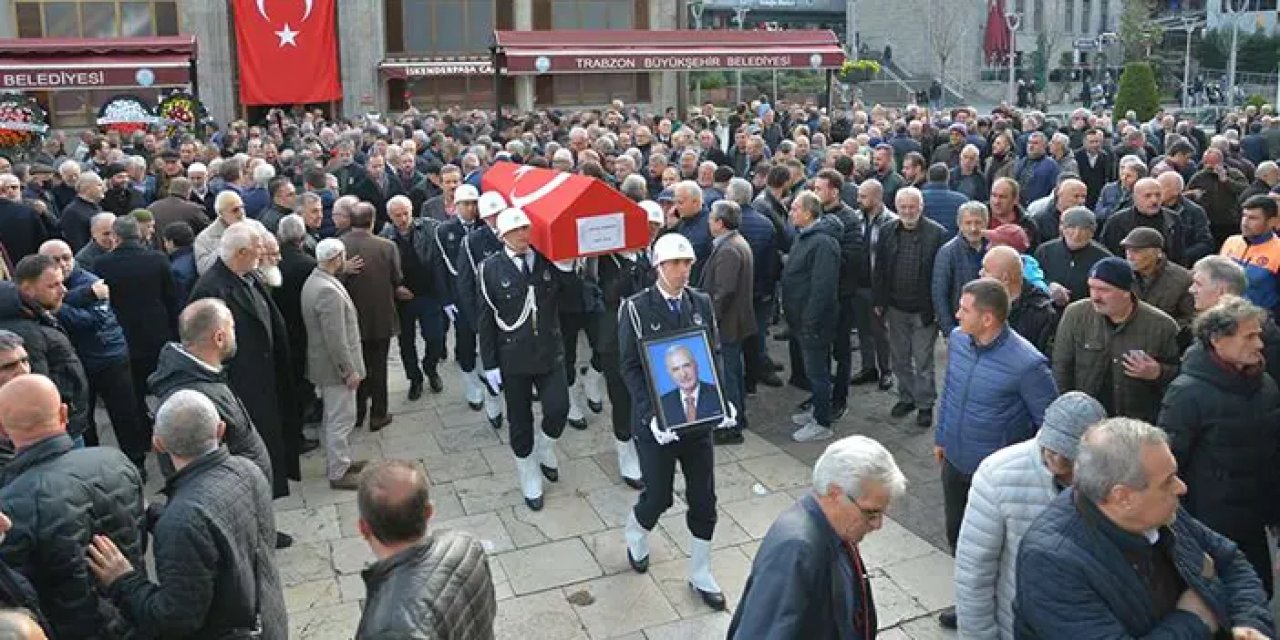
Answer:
x=519 y=332
x=449 y=235
x=479 y=244
x=620 y=278
x=643 y=315
x=580 y=309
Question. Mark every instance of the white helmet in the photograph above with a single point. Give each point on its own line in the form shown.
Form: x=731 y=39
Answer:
x=491 y=204
x=511 y=219
x=654 y=211
x=466 y=193
x=672 y=246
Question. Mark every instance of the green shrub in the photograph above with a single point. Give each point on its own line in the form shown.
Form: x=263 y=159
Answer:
x=1138 y=91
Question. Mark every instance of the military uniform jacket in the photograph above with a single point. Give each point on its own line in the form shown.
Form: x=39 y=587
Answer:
x=481 y=243
x=620 y=278
x=645 y=315
x=519 y=333
x=449 y=235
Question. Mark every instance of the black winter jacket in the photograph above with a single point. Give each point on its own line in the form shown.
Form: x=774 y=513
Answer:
x=852 y=246
x=811 y=281
x=215 y=562
x=1033 y=316
x=440 y=588
x=58 y=498
x=178 y=370
x=50 y=352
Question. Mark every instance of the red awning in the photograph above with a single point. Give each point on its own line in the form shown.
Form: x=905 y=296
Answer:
x=631 y=51
x=427 y=67
x=92 y=63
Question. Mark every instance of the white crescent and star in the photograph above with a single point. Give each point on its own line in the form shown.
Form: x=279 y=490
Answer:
x=287 y=35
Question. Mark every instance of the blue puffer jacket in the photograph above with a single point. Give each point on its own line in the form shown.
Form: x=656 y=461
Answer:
x=941 y=205
x=956 y=264
x=993 y=396
x=1074 y=580
x=91 y=324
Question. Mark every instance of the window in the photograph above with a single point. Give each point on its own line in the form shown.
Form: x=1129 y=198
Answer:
x=1248 y=5
x=1104 y=15
x=76 y=109
x=440 y=27
x=593 y=14
x=1086 y=17
x=1038 y=16
x=96 y=18
x=1069 y=16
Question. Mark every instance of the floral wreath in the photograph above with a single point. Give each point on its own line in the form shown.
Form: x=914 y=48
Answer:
x=22 y=122
x=125 y=114
x=180 y=109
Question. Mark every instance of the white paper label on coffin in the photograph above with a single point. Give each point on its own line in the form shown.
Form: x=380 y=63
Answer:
x=603 y=233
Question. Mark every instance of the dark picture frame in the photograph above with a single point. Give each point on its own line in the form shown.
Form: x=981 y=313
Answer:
x=671 y=358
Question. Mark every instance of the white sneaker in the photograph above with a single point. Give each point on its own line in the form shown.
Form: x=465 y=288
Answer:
x=811 y=432
x=802 y=419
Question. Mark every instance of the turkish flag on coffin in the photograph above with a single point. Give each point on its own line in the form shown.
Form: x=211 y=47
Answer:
x=288 y=51
x=572 y=215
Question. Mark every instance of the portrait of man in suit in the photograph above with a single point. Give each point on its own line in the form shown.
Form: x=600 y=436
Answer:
x=693 y=399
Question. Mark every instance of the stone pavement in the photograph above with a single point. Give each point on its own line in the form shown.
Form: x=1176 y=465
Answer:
x=562 y=573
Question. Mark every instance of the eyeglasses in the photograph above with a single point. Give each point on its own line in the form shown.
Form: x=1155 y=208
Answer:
x=870 y=515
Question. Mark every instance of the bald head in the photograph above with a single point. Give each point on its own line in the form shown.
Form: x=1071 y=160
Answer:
x=394 y=502
x=31 y=410
x=19 y=625
x=1004 y=264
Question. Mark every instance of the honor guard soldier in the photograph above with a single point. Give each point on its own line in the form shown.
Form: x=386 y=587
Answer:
x=622 y=275
x=668 y=306
x=449 y=237
x=580 y=309
x=480 y=243
x=520 y=346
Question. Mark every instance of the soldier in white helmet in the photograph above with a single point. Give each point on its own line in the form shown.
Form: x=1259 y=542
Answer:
x=448 y=238
x=668 y=306
x=520 y=347
x=480 y=243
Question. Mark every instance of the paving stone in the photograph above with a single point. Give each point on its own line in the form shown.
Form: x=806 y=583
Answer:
x=596 y=440
x=500 y=459
x=444 y=500
x=622 y=604
x=726 y=534
x=577 y=477
x=349 y=513
x=561 y=517
x=930 y=579
x=753 y=446
x=351 y=588
x=539 y=616
x=893 y=544
x=749 y=549
x=614 y=502
x=522 y=533
x=291 y=501
x=488 y=527
x=336 y=622
x=779 y=471
x=310 y=524
x=488 y=493
x=706 y=627
x=756 y=515
x=729 y=567
x=733 y=483
x=450 y=467
x=316 y=493
x=309 y=595
x=893 y=604
x=926 y=628
x=466 y=438
x=895 y=633
x=554 y=564
x=609 y=548
x=409 y=446
x=351 y=555
x=304 y=562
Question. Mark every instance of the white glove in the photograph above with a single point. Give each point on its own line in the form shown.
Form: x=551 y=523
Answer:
x=730 y=421
x=663 y=436
x=494 y=378
x=451 y=310
x=565 y=265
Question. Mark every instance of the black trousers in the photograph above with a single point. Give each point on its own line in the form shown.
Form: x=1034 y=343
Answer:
x=425 y=314
x=842 y=352
x=619 y=397
x=955 y=497
x=464 y=344
x=373 y=389
x=139 y=369
x=570 y=324
x=658 y=466
x=553 y=393
x=873 y=336
x=115 y=384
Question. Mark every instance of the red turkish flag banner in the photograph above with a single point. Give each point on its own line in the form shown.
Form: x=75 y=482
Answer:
x=288 y=51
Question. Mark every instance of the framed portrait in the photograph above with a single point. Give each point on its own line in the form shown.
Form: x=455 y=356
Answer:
x=684 y=383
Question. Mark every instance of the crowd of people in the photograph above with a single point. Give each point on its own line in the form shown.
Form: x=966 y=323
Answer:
x=1105 y=288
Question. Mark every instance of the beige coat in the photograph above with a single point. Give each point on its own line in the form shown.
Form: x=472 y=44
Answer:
x=333 y=333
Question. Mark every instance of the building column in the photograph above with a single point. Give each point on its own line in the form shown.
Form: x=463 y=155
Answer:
x=522 y=17
x=210 y=23
x=362 y=39
x=8 y=28
x=663 y=85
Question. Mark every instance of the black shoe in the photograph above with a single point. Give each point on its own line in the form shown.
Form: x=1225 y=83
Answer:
x=886 y=382
x=634 y=483
x=437 y=385
x=595 y=407
x=283 y=540
x=866 y=376
x=750 y=390
x=580 y=424
x=359 y=420
x=534 y=504
x=415 y=389
x=728 y=436
x=924 y=417
x=902 y=408
x=838 y=411
x=309 y=445
x=713 y=599
x=641 y=565
x=496 y=421
x=771 y=379
x=550 y=473
x=475 y=406
x=947 y=618
x=806 y=405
